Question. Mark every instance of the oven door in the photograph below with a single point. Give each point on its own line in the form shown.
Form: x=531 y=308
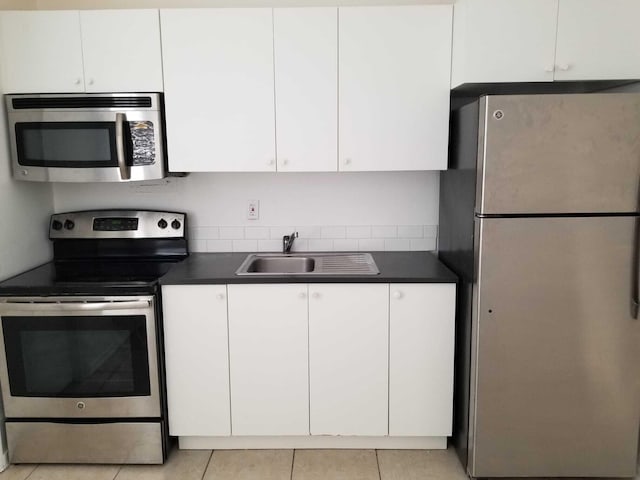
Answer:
x=86 y=146
x=79 y=357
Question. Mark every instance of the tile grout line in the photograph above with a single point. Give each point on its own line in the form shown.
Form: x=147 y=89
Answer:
x=31 y=472
x=207 y=465
x=378 y=464
x=118 y=472
x=293 y=461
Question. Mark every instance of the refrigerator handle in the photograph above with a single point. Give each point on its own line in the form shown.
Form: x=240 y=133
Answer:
x=635 y=281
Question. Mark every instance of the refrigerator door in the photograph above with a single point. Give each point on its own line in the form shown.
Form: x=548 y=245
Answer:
x=571 y=153
x=555 y=349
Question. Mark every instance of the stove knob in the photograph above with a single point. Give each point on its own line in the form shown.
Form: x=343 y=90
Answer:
x=162 y=223
x=68 y=224
x=56 y=224
x=176 y=224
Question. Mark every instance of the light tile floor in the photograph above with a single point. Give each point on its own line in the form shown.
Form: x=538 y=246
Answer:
x=264 y=465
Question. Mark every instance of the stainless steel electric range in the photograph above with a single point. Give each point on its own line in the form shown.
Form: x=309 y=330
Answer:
x=81 y=361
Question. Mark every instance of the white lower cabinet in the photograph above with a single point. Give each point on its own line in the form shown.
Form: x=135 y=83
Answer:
x=268 y=352
x=268 y=361
x=421 y=341
x=197 y=359
x=348 y=359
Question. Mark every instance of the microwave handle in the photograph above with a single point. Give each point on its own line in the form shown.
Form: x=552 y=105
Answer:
x=125 y=170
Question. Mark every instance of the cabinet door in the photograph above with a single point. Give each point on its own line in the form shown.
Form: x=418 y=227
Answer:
x=219 y=89
x=503 y=41
x=268 y=351
x=394 y=65
x=421 y=341
x=42 y=52
x=306 y=76
x=121 y=50
x=197 y=360
x=348 y=359
x=598 y=40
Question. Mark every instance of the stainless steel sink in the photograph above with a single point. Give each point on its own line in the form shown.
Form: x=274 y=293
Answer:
x=308 y=264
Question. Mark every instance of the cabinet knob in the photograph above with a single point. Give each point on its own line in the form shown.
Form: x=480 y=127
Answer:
x=285 y=162
x=271 y=162
x=77 y=81
x=315 y=295
x=220 y=296
x=397 y=294
x=91 y=81
x=347 y=161
x=549 y=68
x=564 y=67
x=302 y=295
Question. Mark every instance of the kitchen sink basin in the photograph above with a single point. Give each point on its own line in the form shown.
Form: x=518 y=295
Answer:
x=281 y=264
x=308 y=264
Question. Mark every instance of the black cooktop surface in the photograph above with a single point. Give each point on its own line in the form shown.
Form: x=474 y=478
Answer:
x=94 y=277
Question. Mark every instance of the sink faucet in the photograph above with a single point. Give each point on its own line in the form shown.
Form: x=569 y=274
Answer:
x=287 y=242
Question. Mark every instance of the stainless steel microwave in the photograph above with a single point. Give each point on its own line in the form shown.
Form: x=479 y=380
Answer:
x=102 y=137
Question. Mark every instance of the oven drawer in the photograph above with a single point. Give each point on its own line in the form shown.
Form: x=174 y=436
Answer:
x=48 y=442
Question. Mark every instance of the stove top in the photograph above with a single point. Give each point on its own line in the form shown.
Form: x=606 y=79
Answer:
x=106 y=252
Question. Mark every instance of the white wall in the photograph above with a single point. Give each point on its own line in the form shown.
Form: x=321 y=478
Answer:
x=392 y=210
x=24 y=209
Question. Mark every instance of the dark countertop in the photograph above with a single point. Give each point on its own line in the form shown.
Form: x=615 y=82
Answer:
x=395 y=267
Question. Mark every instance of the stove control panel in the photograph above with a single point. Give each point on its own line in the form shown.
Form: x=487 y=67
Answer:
x=117 y=224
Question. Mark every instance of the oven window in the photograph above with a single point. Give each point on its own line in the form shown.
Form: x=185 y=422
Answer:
x=66 y=144
x=83 y=356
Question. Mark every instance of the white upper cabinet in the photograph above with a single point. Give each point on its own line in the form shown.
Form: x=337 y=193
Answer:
x=503 y=41
x=598 y=40
x=41 y=52
x=394 y=77
x=545 y=40
x=71 y=51
x=121 y=50
x=306 y=83
x=219 y=89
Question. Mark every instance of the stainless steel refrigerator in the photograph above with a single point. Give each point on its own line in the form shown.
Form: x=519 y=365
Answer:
x=539 y=217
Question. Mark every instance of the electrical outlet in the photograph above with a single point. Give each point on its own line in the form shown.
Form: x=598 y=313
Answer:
x=253 y=210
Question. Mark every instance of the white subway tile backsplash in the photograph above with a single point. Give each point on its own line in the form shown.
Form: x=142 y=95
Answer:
x=279 y=232
x=430 y=231
x=410 y=231
x=219 y=246
x=423 y=244
x=309 y=232
x=269 y=245
x=256 y=233
x=359 y=232
x=343 y=245
x=371 y=244
x=300 y=245
x=334 y=232
x=396 y=244
x=320 y=245
x=384 y=231
x=245 y=245
x=204 y=233
x=314 y=238
x=197 y=245
x=231 y=233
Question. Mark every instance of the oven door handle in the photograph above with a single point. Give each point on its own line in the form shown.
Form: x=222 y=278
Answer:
x=125 y=170
x=74 y=306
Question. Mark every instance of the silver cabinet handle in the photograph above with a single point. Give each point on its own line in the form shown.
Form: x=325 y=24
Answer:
x=73 y=306
x=125 y=171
